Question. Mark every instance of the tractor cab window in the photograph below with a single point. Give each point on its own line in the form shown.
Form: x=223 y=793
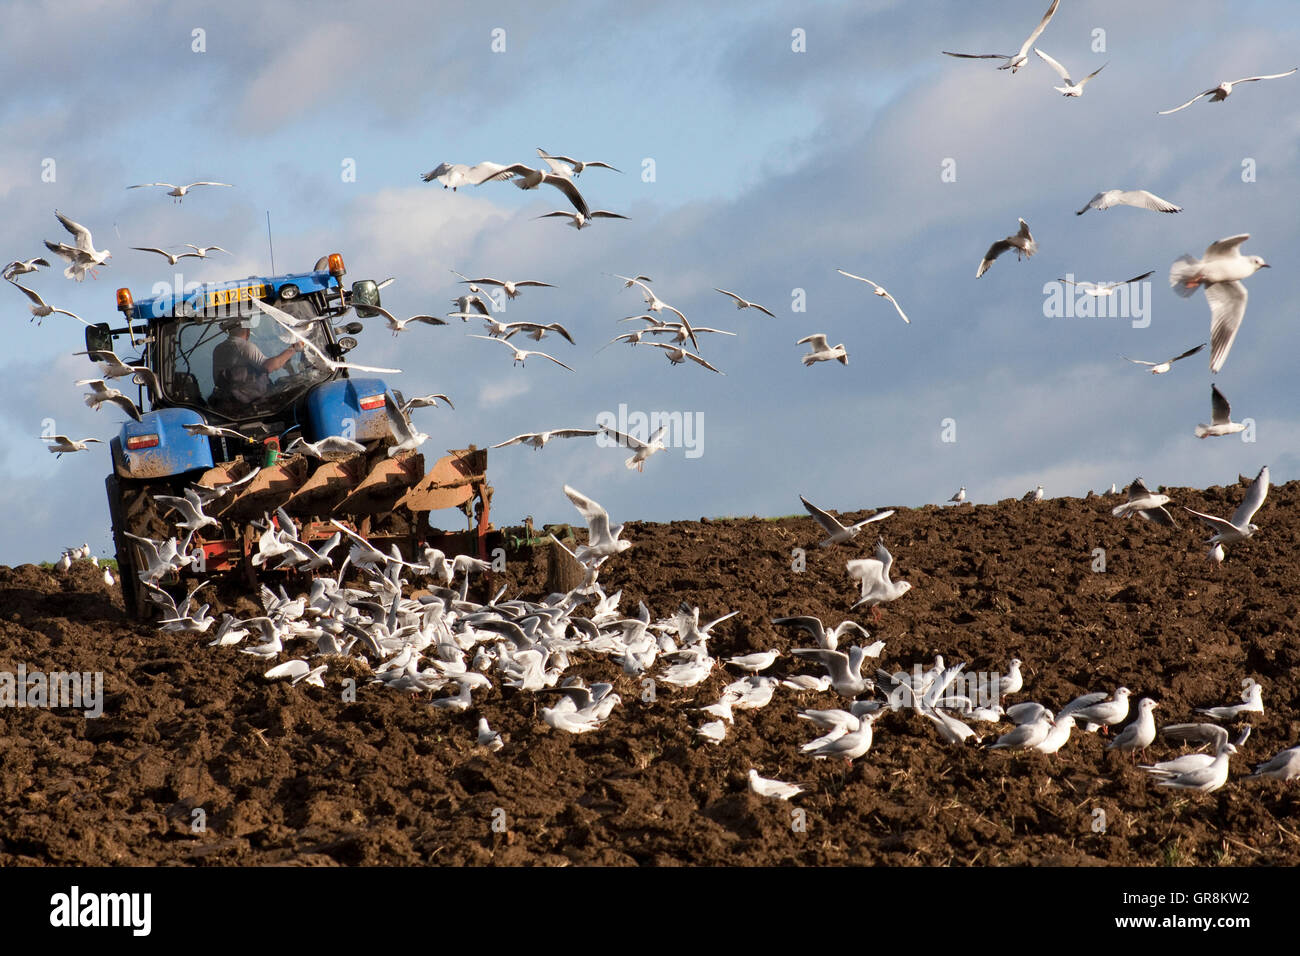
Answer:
x=219 y=364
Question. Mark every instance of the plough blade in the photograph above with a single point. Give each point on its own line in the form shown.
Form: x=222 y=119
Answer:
x=327 y=487
x=380 y=489
x=452 y=482
x=273 y=486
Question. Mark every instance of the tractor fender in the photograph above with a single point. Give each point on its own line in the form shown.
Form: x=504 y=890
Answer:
x=350 y=407
x=159 y=446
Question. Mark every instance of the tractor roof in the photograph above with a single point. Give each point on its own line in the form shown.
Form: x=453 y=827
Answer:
x=214 y=295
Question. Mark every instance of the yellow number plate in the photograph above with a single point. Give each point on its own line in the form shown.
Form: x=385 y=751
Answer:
x=244 y=293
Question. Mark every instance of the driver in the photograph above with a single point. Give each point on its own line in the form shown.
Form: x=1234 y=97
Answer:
x=240 y=369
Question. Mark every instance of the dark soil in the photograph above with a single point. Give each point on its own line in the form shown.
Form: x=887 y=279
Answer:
x=293 y=774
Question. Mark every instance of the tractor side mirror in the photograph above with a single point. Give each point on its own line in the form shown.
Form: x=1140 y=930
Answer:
x=98 y=338
x=352 y=328
x=365 y=292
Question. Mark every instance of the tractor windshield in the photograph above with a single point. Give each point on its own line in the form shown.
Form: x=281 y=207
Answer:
x=221 y=364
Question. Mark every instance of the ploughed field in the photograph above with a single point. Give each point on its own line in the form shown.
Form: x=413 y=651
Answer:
x=296 y=774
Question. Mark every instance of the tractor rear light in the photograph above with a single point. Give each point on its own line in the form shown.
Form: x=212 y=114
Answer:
x=136 y=442
x=371 y=402
x=336 y=265
x=124 y=300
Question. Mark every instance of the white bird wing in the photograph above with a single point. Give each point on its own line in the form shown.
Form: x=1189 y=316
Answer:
x=1227 y=309
x=146 y=185
x=1139 y=361
x=699 y=361
x=1200 y=733
x=1038 y=30
x=1220 y=410
x=1185 y=105
x=286 y=320
x=635 y=444
x=1230 y=246
x=1270 y=76
x=1253 y=501
x=1145 y=200
x=597 y=517
x=81 y=233
x=1220 y=525
x=398 y=422
x=816 y=342
x=823 y=518
x=206 y=183
x=1061 y=71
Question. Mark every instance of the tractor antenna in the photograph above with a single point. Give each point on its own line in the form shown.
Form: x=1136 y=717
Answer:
x=269 y=242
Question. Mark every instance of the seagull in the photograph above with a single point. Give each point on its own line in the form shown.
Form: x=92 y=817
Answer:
x=1240 y=527
x=422 y=401
x=755 y=663
x=101 y=393
x=1057 y=736
x=850 y=745
x=602 y=538
x=960 y=496
x=1207 y=779
x=642 y=449
x=63 y=445
x=399 y=325
x=1147 y=505
x=466 y=302
x=1200 y=763
x=773 y=788
x=874 y=575
x=578 y=221
x=172 y=258
x=1070 y=88
x=189 y=508
x=81 y=258
x=111 y=366
x=1220 y=271
x=108 y=577
x=287 y=321
x=1108 y=288
x=1221 y=422
x=1253 y=703
x=1022 y=242
x=829 y=639
x=655 y=304
x=529 y=178
x=213 y=431
x=1139 y=734
x=880 y=291
x=839 y=533
x=844 y=669
x=1027 y=736
x=1159 y=368
x=1224 y=90
x=1284 y=766
x=520 y=354
x=202 y=251
x=511 y=287
x=820 y=351
x=577 y=165
x=408 y=436
x=1020 y=58
x=487 y=737
x=744 y=303
x=1035 y=495
x=538 y=440
x=23 y=266
x=678 y=354
x=328 y=448
x=1216 y=554
x=39 y=309
x=454 y=175
x=178 y=192
x=537 y=331
x=715 y=731
x=1138 y=198
x=1104 y=712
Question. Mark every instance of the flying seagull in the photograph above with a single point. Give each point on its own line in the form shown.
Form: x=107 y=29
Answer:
x=1224 y=90
x=101 y=393
x=538 y=440
x=63 y=445
x=1021 y=57
x=1108 y=288
x=1138 y=198
x=821 y=351
x=577 y=165
x=511 y=287
x=82 y=257
x=454 y=175
x=677 y=354
x=202 y=251
x=171 y=258
x=287 y=321
x=39 y=309
x=1070 y=88
x=641 y=449
x=880 y=291
x=1221 y=422
x=578 y=221
x=399 y=325
x=1159 y=368
x=1022 y=242
x=1146 y=504
x=1220 y=271
x=839 y=533
x=22 y=266
x=1240 y=527
x=179 y=191
x=521 y=354
x=743 y=303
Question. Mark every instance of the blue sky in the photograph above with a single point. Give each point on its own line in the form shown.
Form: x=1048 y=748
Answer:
x=773 y=168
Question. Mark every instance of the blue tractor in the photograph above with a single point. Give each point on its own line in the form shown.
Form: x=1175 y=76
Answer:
x=192 y=340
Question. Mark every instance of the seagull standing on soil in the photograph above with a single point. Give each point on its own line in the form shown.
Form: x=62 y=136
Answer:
x=1252 y=703
x=1139 y=734
x=1284 y=766
x=960 y=496
x=1220 y=272
x=773 y=788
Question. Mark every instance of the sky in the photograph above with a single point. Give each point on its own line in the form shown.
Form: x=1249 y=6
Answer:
x=762 y=146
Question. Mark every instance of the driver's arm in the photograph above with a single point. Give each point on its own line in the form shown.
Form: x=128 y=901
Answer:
x=278 y=361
